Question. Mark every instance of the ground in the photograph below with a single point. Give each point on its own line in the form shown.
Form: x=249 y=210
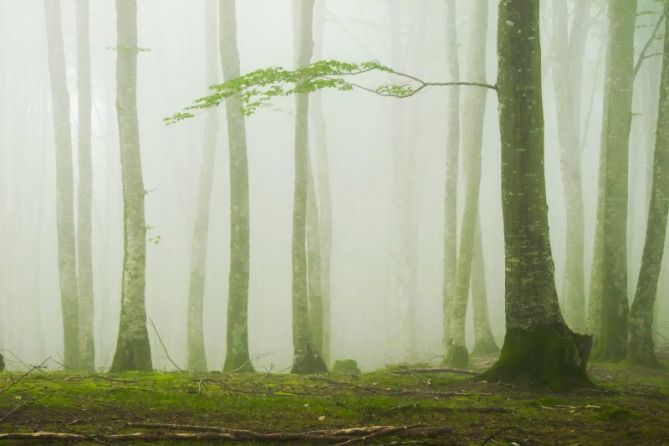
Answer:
x=629 y=406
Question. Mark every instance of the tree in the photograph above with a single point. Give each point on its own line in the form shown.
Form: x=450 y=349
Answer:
x=641 y=349
x=67 y=261
x=567 y=68
x=197 y=359
x=133 y=351
x=610 y=258
x=306 y=357
x=237 y=353
x=473 y=111
x=484 y=341
x=539 y=348
x=84 y=193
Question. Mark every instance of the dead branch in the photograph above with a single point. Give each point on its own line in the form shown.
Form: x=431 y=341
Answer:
x=379 y=433
x=167 y=354
x=491 y=437
x=20 y=378
x=436 y=370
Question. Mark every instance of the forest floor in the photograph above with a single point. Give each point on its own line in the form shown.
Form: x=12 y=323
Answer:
x=629 y=406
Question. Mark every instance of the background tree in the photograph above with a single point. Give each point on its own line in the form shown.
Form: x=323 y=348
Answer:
x=484 y=341
x=237 y=353
x=84 y=191
x=67 y=259
x=133 y=351
x=197 y=359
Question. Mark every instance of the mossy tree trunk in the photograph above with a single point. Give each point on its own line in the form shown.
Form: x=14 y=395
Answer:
x=306 y=357
x=484 y=342
x=133 y=351
x=539 y=349
x=451 y=174
x=612 y=220
x=237 y=353
x=84 y=192
x=568 y=51
x=641 y=348
x=67 y=261
x=473 y=111
x=197 y=358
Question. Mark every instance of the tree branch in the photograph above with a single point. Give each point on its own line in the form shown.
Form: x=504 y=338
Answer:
x=649 y=42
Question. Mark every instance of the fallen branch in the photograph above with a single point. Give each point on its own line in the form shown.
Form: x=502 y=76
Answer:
x=492 y=436
x=437 y=370
x=20 y=378
x=169 y=358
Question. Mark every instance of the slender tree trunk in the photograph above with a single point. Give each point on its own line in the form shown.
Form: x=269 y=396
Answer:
x=451 y=176
x=484 y=342
x=67 y=262
x=133 y=351
x=84 y=195
x=641 y=348
x=612 y=340
x=567 y=75
x=197 y=358
x=323 y=188
x=539 y=348
x=237 y=355
x=314 y=282
x=306 y=357
x=473 y=112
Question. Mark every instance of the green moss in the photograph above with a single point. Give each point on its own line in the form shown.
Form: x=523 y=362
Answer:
x=346 y=367
x=457 y=356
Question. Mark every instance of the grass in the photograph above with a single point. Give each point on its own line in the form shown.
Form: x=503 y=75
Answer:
x=630 y=406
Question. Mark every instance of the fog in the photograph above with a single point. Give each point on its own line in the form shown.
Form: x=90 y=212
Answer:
x=363 y=139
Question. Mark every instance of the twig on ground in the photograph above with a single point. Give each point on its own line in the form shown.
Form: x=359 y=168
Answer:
x=437 y=370
x=492 y=436
x=20 y=378
x=13 y=411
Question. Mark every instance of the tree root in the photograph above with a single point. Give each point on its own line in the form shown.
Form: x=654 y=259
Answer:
x=184 y=432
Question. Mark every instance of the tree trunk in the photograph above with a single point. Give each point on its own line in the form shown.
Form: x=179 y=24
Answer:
x=539 y=349
x=567 y=75
x=641 y=348
x=84 y=194
x=451 y=179
x=484 y=342
x=473 y=111
x=314 y=283
x=197 y=358
x=133 y=351
x=237 y=355
x=612 y=332
x=67 y=262
x=306 y=357
x=323 y=188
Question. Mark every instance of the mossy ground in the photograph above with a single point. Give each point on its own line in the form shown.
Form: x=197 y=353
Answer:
x=630 y=406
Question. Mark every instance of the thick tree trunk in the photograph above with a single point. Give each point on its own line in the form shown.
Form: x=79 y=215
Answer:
x=306 y=357
x=451 y=178
x=484 y=342
x=323 y=188
x=567 y=74
x=539 y=349
x=473 y=111
x=133 y=351
x=612 y=341
x=641 y=348
x=67 y=262
x=237 y=355
x=197 y=358
x=84 y=194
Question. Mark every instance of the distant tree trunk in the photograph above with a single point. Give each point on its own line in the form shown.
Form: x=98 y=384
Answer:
x=451 y=175
x=197 y=358
x=641 y=348
x=67 y=262
x=133 y=351
x=84 y=195
x=612 y=332
x=484 y=342
x=568 y=49
x=473 y=111
x=314 y=282
x=237 y=356
x=539 y=348
x=323 y=188
x=306 y=357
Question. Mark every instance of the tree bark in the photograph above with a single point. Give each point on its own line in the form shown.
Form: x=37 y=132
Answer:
x=306 y=357
x=539 y=349
x=612 y=341
x=237 y=355
x=484 y=342
x=67 y=261
x=197 y=358
x=133 y=351
x=641 y=348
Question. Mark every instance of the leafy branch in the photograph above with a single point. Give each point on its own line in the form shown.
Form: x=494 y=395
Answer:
x=257 y=88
